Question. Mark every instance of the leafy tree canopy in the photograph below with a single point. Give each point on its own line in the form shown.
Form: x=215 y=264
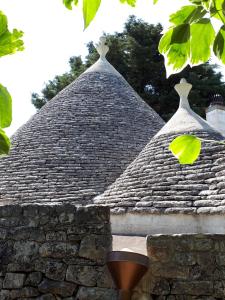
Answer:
x=134 y=53
x=192 y=36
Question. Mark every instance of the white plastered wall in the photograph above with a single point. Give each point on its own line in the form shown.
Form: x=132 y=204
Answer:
x=216 y=118
x=144 y=224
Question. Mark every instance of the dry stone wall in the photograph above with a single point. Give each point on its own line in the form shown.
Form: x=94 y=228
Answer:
x=184 y=267
x=54 y=252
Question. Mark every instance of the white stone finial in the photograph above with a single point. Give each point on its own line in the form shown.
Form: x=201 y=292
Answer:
x=183 y=89
x=101 y=47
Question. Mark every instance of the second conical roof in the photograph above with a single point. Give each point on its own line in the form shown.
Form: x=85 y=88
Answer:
x=155 y=183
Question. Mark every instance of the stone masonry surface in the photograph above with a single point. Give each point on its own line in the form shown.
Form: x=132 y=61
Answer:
x=53 y=252
x=184 y=267
x=78 y=143
x=156 y=183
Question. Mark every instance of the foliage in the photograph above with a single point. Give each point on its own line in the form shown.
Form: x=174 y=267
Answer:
x=134 y=54
x=4 y=143
x=5 y=107
x=191 y=38
x=90 y=8
x=10 y=42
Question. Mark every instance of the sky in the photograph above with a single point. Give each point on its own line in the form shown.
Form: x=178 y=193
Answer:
x=52 y=34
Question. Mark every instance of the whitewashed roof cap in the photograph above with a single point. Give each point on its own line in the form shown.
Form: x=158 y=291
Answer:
x=185 y=119
x=102 y=64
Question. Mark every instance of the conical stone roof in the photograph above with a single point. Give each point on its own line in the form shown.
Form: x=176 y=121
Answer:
x=155 y=184
x=80 y=141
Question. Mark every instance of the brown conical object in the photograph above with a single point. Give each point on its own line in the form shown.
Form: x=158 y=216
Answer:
x=126 y=268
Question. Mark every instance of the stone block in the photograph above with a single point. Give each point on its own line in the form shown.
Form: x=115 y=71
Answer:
x=20 y=267
x=60 y=288
x=104 y=279
x=14 y=281
x=6 y=253
x=4 y=295
x=9 y=222
x=58 y=250
x=157 y=253
x=33 y=279
x=140 y=296
x=219 y=289
x=10 y=210
x=203 y=244
x=92 y=215
x=169 y=270
x=46 y=297
x=82 y=275
x=93 y=293
x=195 y=288
x=184 y=258
x=25 y=251
x=3 y=234
x=40 y=264
x=27 y=234
x=55 y=270
x=95 y=247
x=161 y=287
x=220 y=245
x=220 y=259
x=66 y=218
x=59 y=236
x=26 y=292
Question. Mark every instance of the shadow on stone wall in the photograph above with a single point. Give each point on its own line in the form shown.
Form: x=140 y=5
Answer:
x=54 y=252
x=184 y=267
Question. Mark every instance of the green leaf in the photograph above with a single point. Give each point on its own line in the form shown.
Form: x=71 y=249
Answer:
x=68 y=3
x=180 y=34
x=219 y=44
x=3 y=23
x=207 y=3
x=10 y=42
x=217 y=10
x=186 y=148
x=5 y=107
x=132 y=2
x=187 y=14
x=90 y=8
x=202 y=38
x=4 y=143
x=164 y=43
x=175 y=46
x=155 y=1
x=196 y=2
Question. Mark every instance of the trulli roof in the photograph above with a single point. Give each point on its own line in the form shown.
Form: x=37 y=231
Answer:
x=79 y=142
x=156 y=183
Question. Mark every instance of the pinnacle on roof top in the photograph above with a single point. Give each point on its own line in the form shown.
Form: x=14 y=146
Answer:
x=102 y=48
x=183 y=89
x=102 y=65
x=185 y=119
